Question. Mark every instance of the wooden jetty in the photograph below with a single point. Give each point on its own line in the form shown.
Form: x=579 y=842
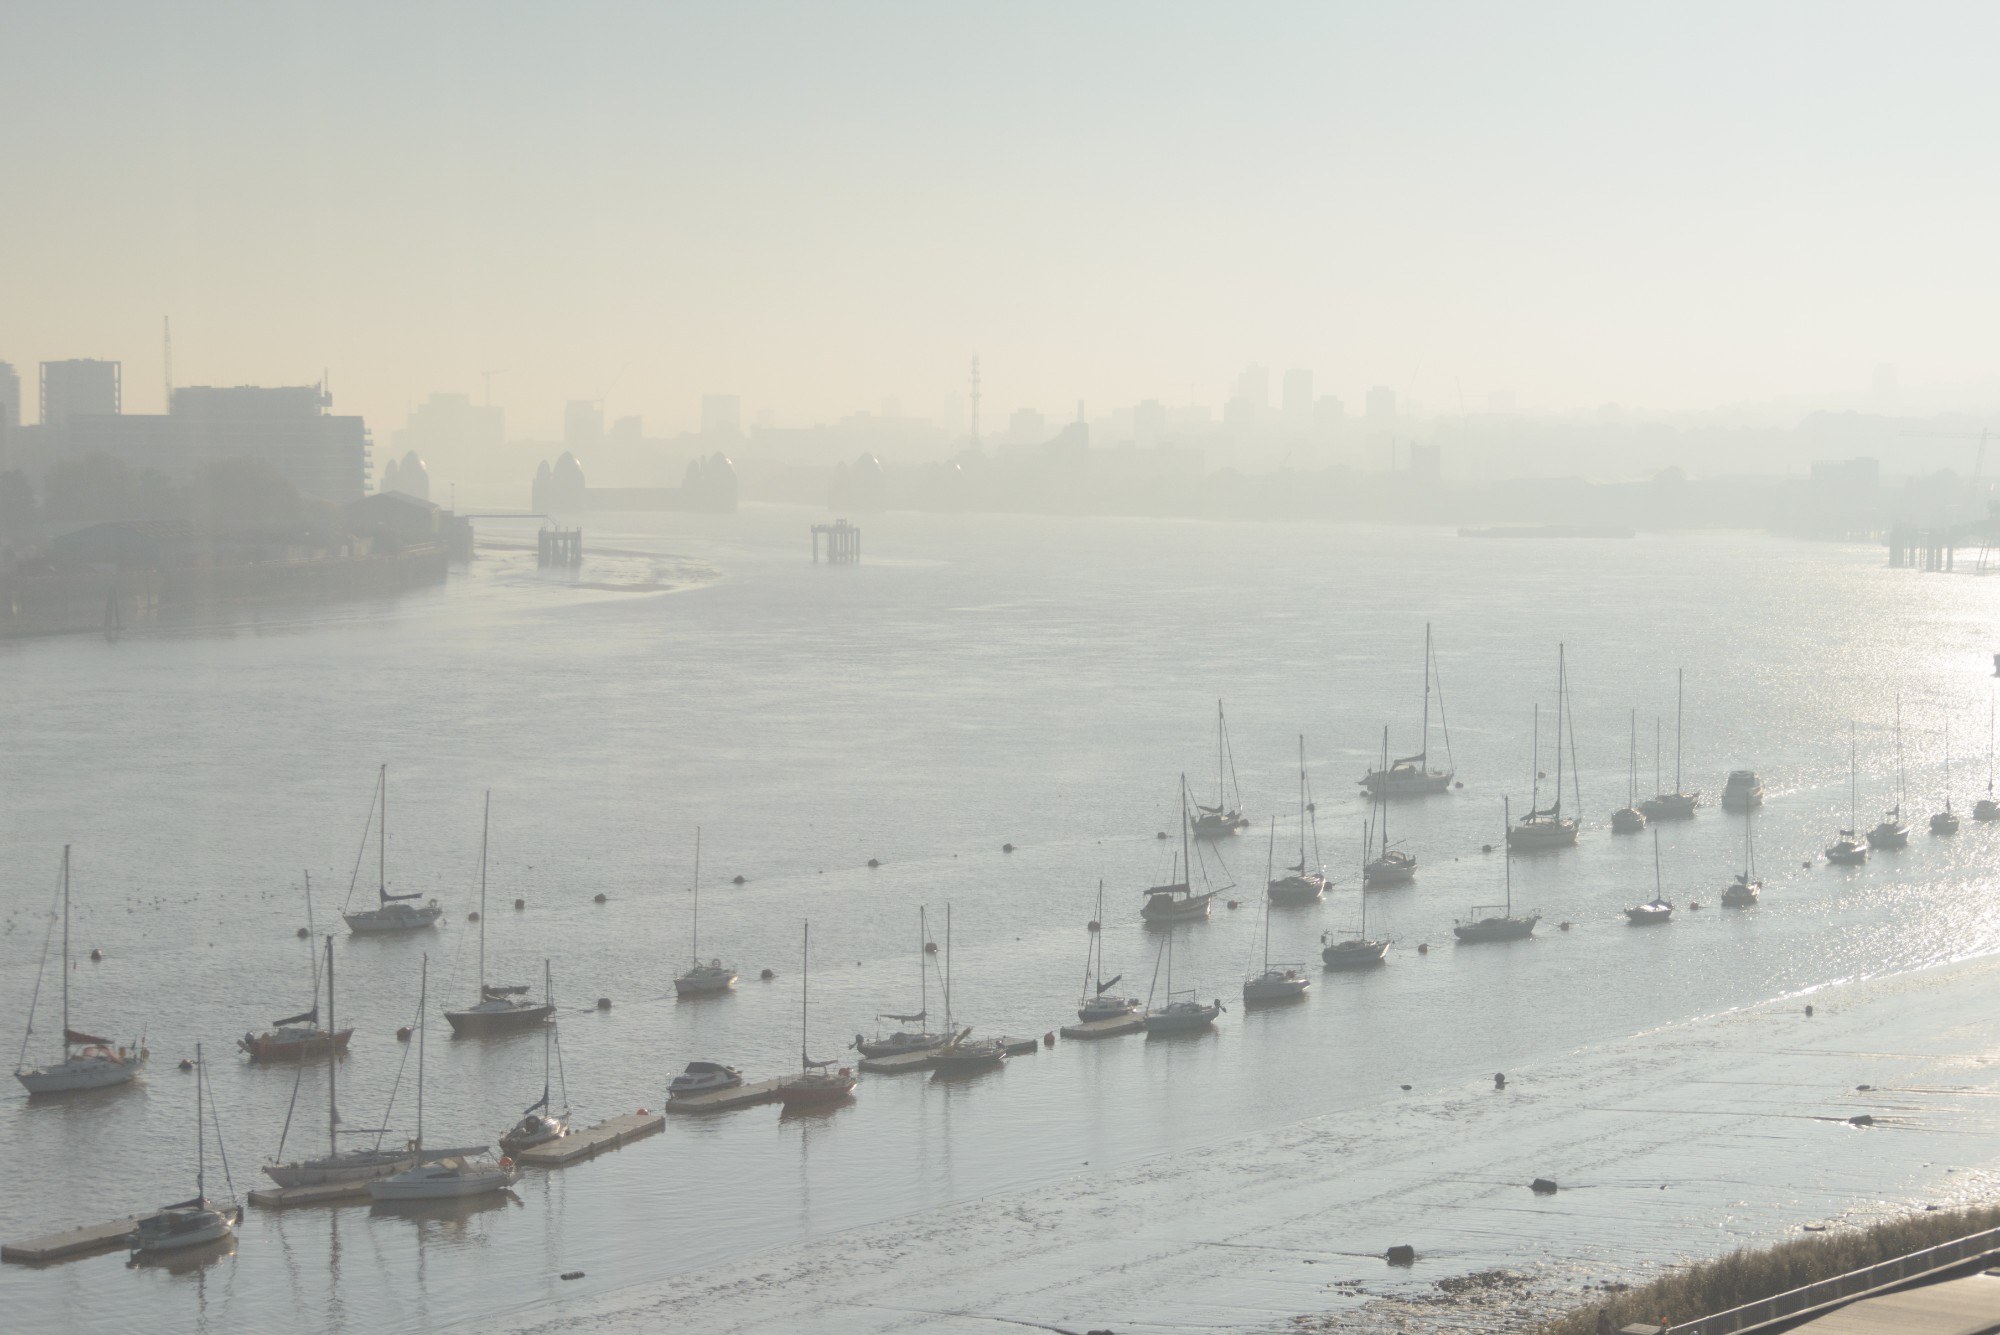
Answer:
x=318 y=1193
x=721 y=1100
x=85 y=1241
x=843 y=543
x=1111 y=1028
x=592 y=1141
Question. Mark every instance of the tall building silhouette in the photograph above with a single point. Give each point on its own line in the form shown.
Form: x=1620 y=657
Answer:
x=10 y=397
x=81 y=387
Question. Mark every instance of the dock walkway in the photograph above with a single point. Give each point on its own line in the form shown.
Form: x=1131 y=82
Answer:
x=317 y=1193
x=592 y=1141
x=1118 y=1024
x=721 y=1100
x=85 y=1241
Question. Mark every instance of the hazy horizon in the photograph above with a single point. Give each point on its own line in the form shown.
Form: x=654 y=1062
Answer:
x=821 y=211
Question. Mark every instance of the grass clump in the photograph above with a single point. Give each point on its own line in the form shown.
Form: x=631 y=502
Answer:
x=1756 y=1273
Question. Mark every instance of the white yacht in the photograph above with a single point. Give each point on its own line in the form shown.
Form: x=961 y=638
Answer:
x=1743 y=791
x=1415 y=776
x=1486 y=925
x=818 y=1084
x=704 y=1078
x=1546 y=827
x=1225 y=817
x=392 y=913
x=1277 y=982
x=501 y=1008
x=1946 y=821
x=540 y=1123
x=702 y=979
x=88 y=1061
x=1628 y=819
x=463 y=1173
x=1891 y=831
x=190 y=1223
x=1098 y=1001
x=1661 y=909
x=1850 y=849
x=1677 y=805
x=1177 y=900
x=1391 y=866
x=1304 y=882
x=919 y=1039
x=1742 y=892
x=1181 y=1013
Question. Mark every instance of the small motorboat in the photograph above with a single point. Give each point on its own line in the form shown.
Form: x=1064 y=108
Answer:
x=1742 y=791
x=704 y=1078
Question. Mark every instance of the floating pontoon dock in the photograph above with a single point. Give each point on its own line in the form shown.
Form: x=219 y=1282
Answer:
x=85 y=1241
x=721 y=1100
x=1111 y=1028
x=592 y=1141
x=317 y=1193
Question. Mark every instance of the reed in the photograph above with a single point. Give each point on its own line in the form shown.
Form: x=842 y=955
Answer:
x=1753 y=1273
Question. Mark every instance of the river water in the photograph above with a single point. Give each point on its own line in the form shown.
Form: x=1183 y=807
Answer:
x=979 y=681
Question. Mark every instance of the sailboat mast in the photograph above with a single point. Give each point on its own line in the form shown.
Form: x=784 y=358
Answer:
x=1562 y=684
x=805 y=983
x=1632 y=762
x=1187 y=867
x=1302 y=804
x=695 y=933
x=1362 y=885
x=65 y=952
x=1270 y=865
x=1221 y=793
x=200 y=1136
x=1535 y=785
x=1679 y=678
x=548 y=995
x=1382 y=800
x=1507 y=849
x=1658 y=890
x=423 y=1016
x=924 y=939
x=382 y=843
x=1426 y=752
x=485 y=827
x=1899 y=757
x=332 y=1058
x=947 y=971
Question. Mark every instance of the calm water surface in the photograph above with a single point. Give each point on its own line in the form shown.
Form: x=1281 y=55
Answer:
x=978 y=681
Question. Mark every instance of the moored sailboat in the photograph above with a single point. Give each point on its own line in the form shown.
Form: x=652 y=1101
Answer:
x=1226 y=816
x=540 y=1123
x=1390 y=866
x=1098 y=1001
x=1181 y=1013
x=714 y=976
x=186 y=1225
x=501 y=1008
x=1304 y=882
x=1946 y=821
x=1277 y=982
x=1679 y=804
x=89 y=1061
x=1547 y=827
x=1891 y=831
x=1415 y=776
x=1358 y=951
x=817 y=1084
x=1629 y=819
x=459 y=1174
x=1486 y=925
x=961 y=1052
x=919 y=1039
x=1177 y=901
x=1850 y=849
x=1988 y=808
x=298 y=1037
x=1660 y=909
x=1743 y=891
x=392 y=913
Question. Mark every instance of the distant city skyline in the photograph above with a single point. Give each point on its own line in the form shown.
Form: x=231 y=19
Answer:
x=641 y=205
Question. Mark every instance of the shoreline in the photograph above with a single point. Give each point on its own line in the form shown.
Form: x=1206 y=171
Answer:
x=1696 y=1139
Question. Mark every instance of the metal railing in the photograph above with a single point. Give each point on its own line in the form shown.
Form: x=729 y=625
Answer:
x=1839 y=1288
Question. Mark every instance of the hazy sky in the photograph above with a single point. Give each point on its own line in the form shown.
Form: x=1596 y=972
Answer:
x=819 y=206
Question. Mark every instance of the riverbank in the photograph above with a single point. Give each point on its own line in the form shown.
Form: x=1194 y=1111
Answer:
x=1754 y=1274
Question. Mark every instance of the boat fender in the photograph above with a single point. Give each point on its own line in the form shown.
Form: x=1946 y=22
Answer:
x=472 y=916
x=597 y=898
x=97 y=956
x=1006 y=848
x=1563 y=926
x=303 y=933
x=1486 y=848
x=1423 y=947
x=1096 y=926
x=186 y=1065
x=403 y=1034
x=643 y=1112
x=874 y=862
x=767 y=975
x=739 y=881
x=1459 y=784
x=1161 y=835
x=1499 y=1080
x=1236 y=903
x=930 y=947
x=604 y=1003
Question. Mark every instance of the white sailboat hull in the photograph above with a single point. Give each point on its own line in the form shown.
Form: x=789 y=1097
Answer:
x=82 y=1073
x=1355 y=954
x=1543 y=834
x=1400 y=783
x=705 y=980
x=444 y=1180
x=394 y=918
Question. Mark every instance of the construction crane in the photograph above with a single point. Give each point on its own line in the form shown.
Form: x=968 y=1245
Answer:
x=1989 y=554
